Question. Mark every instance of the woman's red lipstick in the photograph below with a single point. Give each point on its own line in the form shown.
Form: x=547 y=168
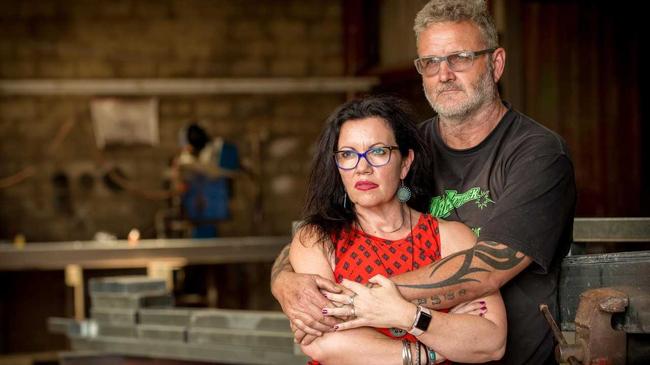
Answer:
x=365 y=185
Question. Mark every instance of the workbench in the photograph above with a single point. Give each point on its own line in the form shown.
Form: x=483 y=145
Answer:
x=159 y=256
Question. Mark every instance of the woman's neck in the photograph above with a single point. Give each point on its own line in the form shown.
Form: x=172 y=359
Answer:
x=393 y=220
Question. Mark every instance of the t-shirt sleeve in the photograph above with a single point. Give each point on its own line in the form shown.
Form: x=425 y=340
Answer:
x=534 y=213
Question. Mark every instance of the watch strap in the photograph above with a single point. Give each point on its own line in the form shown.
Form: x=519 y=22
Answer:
x=421 y=322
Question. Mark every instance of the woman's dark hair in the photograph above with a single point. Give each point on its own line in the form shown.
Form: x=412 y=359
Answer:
x=324 y=210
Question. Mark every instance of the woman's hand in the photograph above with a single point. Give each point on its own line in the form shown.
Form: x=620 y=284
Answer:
x=379 y=306
x=476 y=308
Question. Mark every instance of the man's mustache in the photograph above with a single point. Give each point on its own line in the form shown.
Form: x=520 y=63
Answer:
x=449 y=87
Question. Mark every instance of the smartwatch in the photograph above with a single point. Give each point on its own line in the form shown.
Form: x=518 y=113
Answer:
x=421 y=322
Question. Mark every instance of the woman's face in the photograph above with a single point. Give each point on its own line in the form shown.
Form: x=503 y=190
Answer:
x=369 y=186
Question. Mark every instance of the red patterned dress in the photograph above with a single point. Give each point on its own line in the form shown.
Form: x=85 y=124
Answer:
x=360 y=256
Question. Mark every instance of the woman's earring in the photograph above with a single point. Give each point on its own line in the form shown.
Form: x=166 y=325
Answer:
x=345 y=200
x=403 y=193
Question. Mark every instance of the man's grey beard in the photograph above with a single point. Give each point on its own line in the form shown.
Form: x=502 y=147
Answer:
x=485 y=91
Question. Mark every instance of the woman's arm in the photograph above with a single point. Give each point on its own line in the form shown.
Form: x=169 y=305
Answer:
x=458 y=337
x=357 y=346
x=469 y=338
x=383 y=306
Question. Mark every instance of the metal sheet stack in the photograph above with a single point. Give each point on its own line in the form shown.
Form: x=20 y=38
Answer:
x=135 y=316
x=115 y=302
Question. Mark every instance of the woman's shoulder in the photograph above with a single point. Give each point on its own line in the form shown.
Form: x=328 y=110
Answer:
x=455 y=236
x=311 y=252
x=309 y=235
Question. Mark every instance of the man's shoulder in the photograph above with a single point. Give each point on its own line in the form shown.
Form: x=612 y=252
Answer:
x=529 y=132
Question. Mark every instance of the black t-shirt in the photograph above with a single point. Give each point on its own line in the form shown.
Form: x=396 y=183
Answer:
x=517 y=187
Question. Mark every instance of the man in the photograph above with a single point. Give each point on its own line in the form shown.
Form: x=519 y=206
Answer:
x=497 y=171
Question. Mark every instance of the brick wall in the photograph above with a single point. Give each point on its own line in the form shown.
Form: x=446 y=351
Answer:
x=159 y=39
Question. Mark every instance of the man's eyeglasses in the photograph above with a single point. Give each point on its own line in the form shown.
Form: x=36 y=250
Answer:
x=376 y=156
x=461 y=61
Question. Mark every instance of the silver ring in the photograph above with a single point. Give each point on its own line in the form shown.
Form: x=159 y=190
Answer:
x=354 y=312
x=351 y=300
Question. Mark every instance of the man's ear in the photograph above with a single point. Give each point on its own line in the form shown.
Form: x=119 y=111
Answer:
x=498 y=59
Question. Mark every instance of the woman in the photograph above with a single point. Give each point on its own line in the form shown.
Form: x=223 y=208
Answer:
x=362 y=223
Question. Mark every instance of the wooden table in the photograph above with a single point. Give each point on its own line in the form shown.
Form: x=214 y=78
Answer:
x=159 y=256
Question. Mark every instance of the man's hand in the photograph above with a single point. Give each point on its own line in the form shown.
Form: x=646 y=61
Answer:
x=301 y=300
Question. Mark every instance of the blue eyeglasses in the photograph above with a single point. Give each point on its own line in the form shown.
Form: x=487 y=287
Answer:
x=376 y=156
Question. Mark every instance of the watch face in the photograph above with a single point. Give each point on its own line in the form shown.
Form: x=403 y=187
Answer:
x=424 y=319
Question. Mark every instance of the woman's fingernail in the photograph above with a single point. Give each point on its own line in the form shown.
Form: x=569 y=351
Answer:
x=482 y=302
x=484 y=308
x=336 y=328
x=481 y=314
x=324 y=311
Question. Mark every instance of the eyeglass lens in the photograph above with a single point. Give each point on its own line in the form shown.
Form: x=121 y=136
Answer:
x=457 y=63
x=376 y=156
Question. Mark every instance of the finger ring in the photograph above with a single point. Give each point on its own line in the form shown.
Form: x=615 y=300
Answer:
x=354 y=312
x=351 y=300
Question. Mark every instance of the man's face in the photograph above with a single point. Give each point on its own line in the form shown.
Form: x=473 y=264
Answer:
x=452 y=94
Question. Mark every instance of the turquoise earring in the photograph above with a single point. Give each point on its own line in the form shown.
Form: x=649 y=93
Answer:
x=403 y=193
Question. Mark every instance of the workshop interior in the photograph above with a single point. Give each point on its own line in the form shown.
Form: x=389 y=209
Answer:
x=154 y=159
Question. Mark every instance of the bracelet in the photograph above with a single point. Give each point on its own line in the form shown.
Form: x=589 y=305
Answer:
x=406 y=353
x=431 y=355
x=426 y=353
x=418 y=348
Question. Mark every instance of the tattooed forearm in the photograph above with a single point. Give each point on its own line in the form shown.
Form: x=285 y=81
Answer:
x=282 y=263
x=503 y=258
x=436 y=300
x=491 y=256
x=460 y=276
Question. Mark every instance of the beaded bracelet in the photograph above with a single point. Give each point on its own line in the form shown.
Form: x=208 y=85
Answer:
x=431 y=355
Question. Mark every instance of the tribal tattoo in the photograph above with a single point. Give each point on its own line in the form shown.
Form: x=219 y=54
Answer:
x=497 y=258
x=281 y=263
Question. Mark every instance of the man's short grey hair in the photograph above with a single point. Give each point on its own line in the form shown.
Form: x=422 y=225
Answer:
x=476 y=11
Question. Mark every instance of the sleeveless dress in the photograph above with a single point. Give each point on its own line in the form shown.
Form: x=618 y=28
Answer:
x=360 y=256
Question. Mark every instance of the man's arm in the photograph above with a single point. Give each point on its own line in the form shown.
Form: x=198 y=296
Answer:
x=280 y=264
x=301 y=299
x=462 y=276
x=540 y=180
